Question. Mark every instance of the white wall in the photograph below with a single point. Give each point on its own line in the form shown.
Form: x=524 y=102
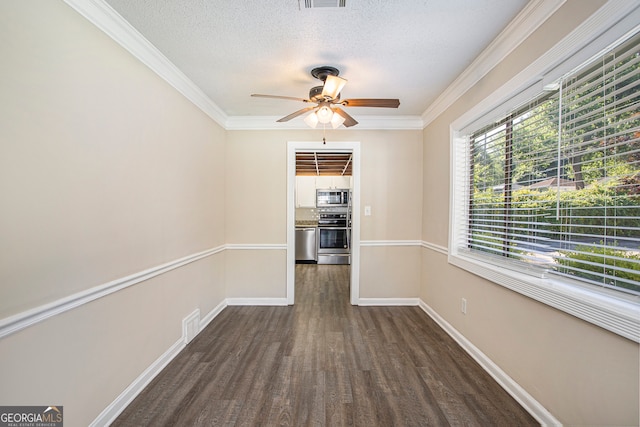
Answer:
x=105 y=172
x=582 y=374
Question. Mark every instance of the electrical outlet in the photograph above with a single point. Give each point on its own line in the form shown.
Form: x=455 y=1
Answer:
x=464 y=306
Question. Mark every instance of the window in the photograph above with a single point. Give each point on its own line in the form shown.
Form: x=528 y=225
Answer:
x=552 y=190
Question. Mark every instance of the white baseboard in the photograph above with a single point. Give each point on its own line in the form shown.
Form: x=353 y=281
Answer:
x=257 y=301
x=116 y=407
x=388 y=301
x=212 y=314
x=111 y=412
x=531 y=405
x=544 y=417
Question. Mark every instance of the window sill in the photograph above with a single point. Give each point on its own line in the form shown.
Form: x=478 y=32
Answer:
x=618 y=314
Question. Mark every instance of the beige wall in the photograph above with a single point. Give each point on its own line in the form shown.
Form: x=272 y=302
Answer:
x=581 y=373
x=391 y=184
x=256 y=205
x=105 y=171
x=388 y=272
x=256 y=274
x=256 y=192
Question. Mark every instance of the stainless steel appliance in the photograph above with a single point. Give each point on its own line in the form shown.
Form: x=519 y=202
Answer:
x=334 y=235
x=332 y=198
x=306 y=245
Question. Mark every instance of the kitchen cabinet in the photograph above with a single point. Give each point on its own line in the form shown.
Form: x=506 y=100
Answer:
x=305 y=189
x=330 y=182
x=342 y=182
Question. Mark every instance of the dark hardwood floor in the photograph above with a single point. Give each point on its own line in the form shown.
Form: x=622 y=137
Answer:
x=323 y=362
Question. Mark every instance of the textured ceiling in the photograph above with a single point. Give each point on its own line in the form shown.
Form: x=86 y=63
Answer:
x=406 y=49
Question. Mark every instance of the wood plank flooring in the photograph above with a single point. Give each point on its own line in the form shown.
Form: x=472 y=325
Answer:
x=323 y=362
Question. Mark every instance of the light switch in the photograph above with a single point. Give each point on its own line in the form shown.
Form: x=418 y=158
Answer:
x=367 y=211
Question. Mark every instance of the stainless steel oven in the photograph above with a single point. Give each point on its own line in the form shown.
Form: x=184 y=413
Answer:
x=334 y=236
x=333 y=217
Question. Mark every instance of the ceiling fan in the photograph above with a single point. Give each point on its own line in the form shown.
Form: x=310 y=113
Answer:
x=328 y=102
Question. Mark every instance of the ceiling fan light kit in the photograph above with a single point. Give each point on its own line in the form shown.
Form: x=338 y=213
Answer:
x=337 y=120
x=327 y=100
x=324 y=114
x=311 y=120
x=332 y=87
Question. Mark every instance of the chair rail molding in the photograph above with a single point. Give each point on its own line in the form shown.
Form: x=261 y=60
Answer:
x=17 y=322
x=435 y=247
x=373 y=243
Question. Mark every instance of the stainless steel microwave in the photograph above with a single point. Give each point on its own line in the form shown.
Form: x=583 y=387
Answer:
x=332 y=197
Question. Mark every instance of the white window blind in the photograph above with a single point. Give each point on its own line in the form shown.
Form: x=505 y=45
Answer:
x=555 y=186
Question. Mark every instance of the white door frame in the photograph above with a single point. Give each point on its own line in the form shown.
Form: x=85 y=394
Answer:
x=349 y=146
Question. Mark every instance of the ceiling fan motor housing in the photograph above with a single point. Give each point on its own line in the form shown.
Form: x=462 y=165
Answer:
x=315 y=94
x=321 y=73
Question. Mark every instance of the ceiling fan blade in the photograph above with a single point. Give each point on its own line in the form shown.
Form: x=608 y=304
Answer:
x=296 y=114
x=371 y=102
x=348 y=120
x=291 y=98
x=332 y=86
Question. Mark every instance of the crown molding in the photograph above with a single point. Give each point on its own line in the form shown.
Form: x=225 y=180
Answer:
x=103 y=16
x=364 y=123
x=616 y=19
x=535 y=13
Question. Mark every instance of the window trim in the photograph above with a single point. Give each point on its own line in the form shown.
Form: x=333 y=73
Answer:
x=617 y=313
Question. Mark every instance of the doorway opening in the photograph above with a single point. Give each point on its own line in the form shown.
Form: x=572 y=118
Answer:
x=329 y=217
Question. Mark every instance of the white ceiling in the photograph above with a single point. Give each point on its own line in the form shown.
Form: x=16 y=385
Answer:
x=406 y=49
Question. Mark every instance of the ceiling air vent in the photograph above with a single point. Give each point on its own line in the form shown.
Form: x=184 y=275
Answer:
x=310 y=4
